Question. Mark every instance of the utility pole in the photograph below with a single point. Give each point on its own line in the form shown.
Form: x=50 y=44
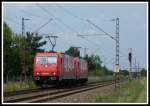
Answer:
x=117 y=44
x=23 y=47
x=130 y=63
x=117 y=47
x=23 y=26
x=117 y=67
x=52 y=43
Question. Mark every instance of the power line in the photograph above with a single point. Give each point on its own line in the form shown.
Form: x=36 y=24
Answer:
x=89 y=21
x=56 y=18
x=82 y=20
x=29 y=13
x=43 y=25
x=68 y=12
x=117 y=54
x=16 y=23
x=59 y=20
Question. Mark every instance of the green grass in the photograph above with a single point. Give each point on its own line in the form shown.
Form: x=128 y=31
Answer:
x=100 y=78
x=131 y=92
x=14 y=86
x=97 y=72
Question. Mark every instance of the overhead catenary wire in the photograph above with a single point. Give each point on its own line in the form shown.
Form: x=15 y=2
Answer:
x=29 y=13
x=37 y=16
x=43 y=25
x=87 y=20
x=80 y=19
x=67 y=26
x=72 y=28
x=69 y=12
x=16 y=23
x=48 y=12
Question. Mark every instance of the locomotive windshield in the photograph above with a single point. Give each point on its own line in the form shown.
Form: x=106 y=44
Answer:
x=51 y=60
x=46 y=60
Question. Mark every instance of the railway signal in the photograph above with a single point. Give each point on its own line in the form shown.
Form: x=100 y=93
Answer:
x=130 y=63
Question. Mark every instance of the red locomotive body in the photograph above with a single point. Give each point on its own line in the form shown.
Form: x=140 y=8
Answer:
x=53 y=68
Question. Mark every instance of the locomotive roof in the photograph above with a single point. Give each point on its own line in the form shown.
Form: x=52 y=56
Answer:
x=48 y=53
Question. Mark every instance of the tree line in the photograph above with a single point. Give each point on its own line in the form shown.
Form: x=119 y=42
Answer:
x=18 y=52
x=94 y=62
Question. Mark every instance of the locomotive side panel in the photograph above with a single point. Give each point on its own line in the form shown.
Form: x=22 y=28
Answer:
x=76 y=67
x=83 y=73
x=68 y=70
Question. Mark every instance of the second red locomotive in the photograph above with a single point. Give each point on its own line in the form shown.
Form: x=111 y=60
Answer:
x=54 y=68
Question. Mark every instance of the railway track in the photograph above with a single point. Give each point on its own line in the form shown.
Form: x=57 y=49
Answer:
x=51 y=94
x=26 y=91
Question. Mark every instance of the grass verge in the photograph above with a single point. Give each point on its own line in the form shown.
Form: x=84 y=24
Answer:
x=14 y=86
x=134 y=91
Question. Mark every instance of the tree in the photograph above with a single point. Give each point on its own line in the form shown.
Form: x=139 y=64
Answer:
x=7 y=36
x=94 y=62
x=15 y=46
x=124 y=72
x=32 y=46
x=73 y=52
x=33 y=43
x=143 y=72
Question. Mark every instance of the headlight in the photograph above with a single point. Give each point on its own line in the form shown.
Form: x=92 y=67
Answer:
x=38 y=73
x=54 y=73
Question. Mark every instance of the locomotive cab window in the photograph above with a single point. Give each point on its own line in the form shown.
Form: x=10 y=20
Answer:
x=40 y=60
x=52 y=60
x=46 y=60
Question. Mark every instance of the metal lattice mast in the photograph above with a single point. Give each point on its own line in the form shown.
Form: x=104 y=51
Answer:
x=117 y=52
x=23 y=47
x=117 y=41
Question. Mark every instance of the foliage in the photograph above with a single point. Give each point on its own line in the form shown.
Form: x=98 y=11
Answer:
x=19 y=50
x=10 y=58
x=73 y=52
x=94 y=63
x=143 y=72
x=124 y=72
x=33 y=43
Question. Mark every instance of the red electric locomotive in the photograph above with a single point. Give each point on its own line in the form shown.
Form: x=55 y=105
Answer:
x=55 y=68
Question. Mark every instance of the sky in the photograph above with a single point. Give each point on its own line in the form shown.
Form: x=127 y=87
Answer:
x=70 y=19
